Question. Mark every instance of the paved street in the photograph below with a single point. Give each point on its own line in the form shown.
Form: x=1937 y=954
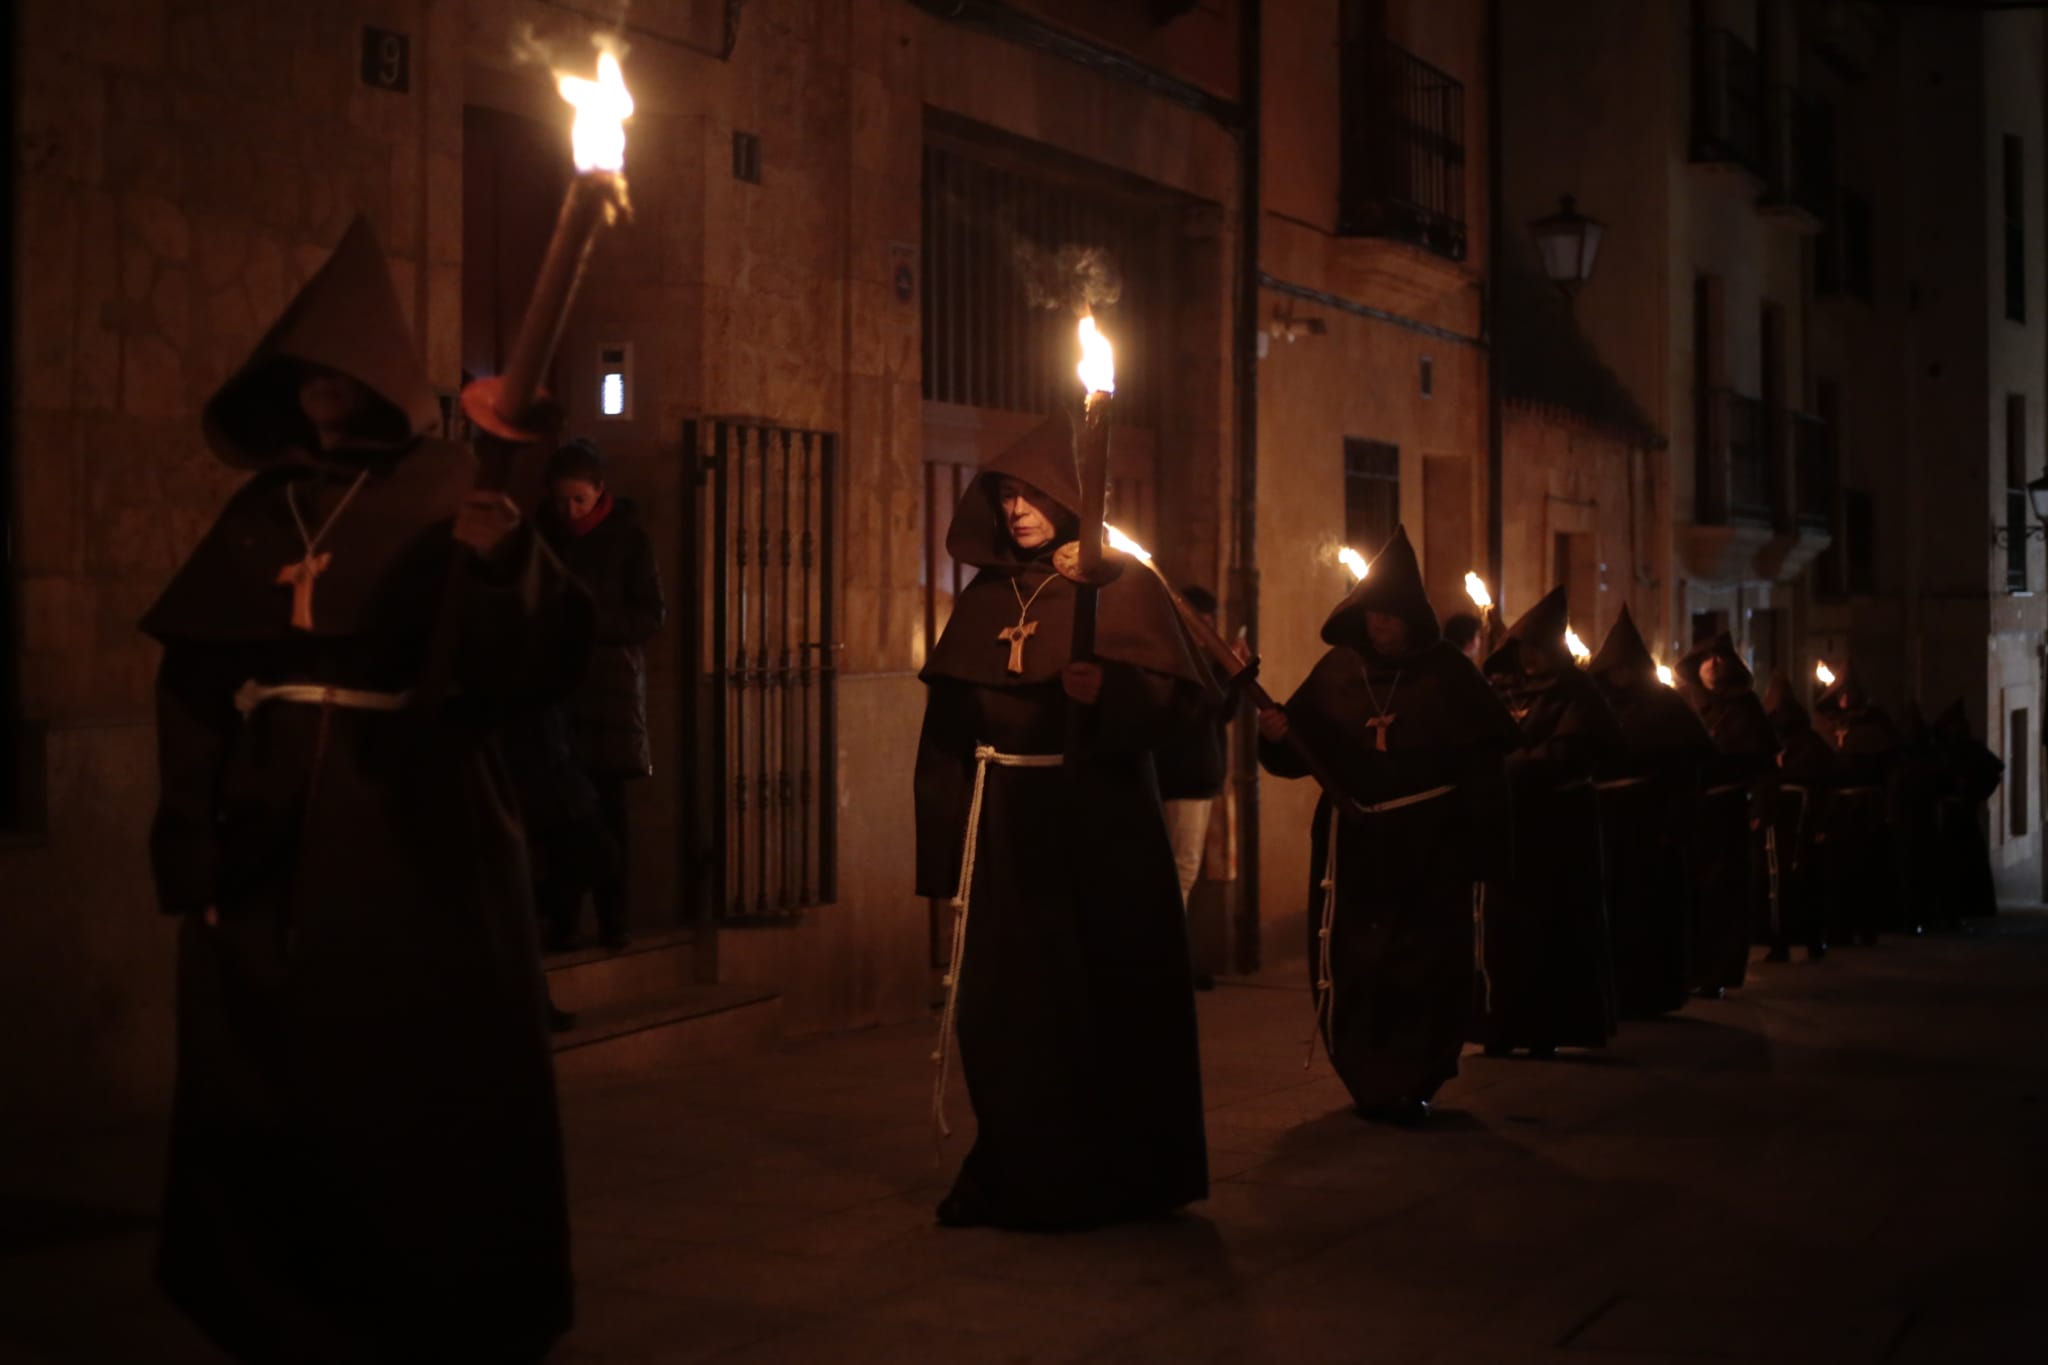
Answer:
x=1846 y=1163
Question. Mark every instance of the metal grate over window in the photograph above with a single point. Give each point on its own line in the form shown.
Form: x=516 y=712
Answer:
x=761 y=800
x=1403 y=150
x=1009 y=253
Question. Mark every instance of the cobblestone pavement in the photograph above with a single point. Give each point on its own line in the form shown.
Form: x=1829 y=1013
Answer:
x=1844 y=1162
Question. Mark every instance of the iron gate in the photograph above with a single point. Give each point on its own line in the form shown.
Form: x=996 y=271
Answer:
x=761 y=786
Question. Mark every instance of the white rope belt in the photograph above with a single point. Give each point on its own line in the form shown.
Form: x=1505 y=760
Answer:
x=1725 y=788
x=983 y=756
x=1326 y=981
x=253 y=694
x=1616 y=784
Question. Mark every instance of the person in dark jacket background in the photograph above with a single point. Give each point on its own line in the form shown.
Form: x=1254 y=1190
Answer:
x=600 y=538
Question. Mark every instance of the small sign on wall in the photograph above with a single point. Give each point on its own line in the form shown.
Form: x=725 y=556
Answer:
x=387 y=60
x=903 y=271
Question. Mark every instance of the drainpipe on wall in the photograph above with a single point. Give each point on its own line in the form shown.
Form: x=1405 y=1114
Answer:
x=1244 y=570
x=1496 y=261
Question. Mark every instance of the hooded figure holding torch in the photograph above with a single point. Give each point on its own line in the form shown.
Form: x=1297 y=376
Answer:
x=1038 y=818
x=365 y=1161
x=1410 y=735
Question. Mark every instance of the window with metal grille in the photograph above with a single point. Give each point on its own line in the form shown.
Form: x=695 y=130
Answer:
x=1844 y=254
x=2017 y=518
x=1372 y=494
x=1402 y=166
x=2015 y=191
x=760 y=773
x=1728 y=101
x=1013 y=246
x=2017 y=756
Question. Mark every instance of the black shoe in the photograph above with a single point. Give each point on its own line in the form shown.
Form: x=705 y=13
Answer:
x=959 y=1211
x=1544 y=1052
x=560 y=1021
x=1402 y=1113
x=1816 y=951
x=1712 y=992
x=1778 y=954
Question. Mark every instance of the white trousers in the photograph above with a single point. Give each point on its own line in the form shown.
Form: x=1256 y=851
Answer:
x=1187 y=825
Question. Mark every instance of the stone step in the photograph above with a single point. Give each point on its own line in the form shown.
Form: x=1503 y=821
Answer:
x=682 y=1025
x=592 y=978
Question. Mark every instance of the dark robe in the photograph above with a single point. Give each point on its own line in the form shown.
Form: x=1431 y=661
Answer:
x=1647 y=799
x=1549 y=955
x=1864 y=829
x=365 y=1161
x=1724 y=844
x=1076 y=1019
x=1971 y=774
x=1793 y=803
x=1393 y=999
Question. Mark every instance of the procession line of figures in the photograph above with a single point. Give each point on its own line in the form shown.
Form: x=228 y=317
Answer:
x=366 y=1161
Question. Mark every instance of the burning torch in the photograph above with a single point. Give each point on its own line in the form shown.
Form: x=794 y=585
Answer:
x=1083 y=561
x=502 y=405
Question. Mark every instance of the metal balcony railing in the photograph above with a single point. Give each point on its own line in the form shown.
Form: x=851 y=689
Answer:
x=1403 y=155
x=1735 y=474
x=1799 y=154
x=1727 y=102
x=1815 y=461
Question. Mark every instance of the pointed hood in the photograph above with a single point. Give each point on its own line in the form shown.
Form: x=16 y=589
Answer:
x=1543 y=624
x=1043 y=458
x=1393 y=587
x=1624 y=648
x=1735 y=671
x=1844 y=694
x=346 y=319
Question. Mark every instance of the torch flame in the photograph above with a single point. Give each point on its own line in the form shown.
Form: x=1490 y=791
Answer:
x=1098 y=359
x=1475 y=588
x=1572 y=642
x=1355 y=562
x=602 y=108
x=1824 y=673
x=1665 y=676
x=1119 y=541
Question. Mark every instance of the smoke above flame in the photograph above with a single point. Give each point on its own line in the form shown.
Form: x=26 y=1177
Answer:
x=1078 y=278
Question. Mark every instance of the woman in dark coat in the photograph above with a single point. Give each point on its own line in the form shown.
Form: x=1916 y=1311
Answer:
x=1075 y=1010
x=1646 y=812
x=1549 y=955
x=1714 y=678
x=600 y=538
x=1414 y=736
x=365 y=1163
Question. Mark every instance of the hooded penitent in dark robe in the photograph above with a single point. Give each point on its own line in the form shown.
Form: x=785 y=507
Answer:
x=1970 y=773
x=1394 y=990
x=1549 y=956
x=365 y=1162
x=1794 y=805
x=1646 y=811
x=1076 y=1019
x=1724 y=906
x=1866 y=860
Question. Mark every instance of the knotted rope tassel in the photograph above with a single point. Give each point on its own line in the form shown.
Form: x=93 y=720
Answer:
x=1479 y=946
x=984 y=755
x=1326 y=979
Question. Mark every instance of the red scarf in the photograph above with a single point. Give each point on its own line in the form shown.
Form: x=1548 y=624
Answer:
x=594 y=518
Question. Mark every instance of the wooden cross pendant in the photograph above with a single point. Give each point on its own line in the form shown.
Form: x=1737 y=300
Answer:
x=1015 y=636
x=1378 y=725
x=299 y=577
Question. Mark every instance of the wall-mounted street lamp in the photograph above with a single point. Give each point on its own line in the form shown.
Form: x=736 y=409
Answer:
x=1569 y=241
x=2037 y=502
